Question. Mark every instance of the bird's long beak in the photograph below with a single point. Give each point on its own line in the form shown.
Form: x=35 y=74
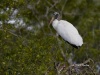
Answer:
x=51 y=20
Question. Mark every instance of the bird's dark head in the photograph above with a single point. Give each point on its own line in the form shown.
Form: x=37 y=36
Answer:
x=56 y=15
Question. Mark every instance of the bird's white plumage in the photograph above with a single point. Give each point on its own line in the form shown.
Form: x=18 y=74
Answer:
x=68 y=32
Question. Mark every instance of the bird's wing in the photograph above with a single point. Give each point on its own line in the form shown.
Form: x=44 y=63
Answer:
x=69 y=33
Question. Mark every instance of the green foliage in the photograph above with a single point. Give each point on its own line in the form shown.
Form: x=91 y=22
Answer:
x=28 y=52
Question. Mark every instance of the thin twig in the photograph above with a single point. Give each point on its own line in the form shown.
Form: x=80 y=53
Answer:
x=91 y=70
x=63 y=7
x=52 y=6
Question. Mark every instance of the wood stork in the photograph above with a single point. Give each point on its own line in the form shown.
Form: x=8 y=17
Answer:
x=67 y=31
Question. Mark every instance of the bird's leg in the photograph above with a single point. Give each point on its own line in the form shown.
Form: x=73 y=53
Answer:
x=73 y=51
x=57 y=34
x=72 y=54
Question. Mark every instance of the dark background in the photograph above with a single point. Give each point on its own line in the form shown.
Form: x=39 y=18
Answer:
x=28 y=46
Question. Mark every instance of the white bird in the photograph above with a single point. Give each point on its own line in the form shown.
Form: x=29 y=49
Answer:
x=67 y=31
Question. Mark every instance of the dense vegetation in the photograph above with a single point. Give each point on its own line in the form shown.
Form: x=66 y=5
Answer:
x=28 y=46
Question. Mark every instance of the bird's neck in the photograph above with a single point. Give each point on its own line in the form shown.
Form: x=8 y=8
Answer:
x=54 y=24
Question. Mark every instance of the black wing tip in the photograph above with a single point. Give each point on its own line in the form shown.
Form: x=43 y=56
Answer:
x=77 y=47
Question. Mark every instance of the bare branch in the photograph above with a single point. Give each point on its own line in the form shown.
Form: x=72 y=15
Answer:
x=63 y=6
